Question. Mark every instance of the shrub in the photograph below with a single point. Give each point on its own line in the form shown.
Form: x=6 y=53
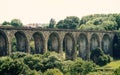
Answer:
x=33 y=62
x=88 y=66
x=53 y=72
x=9 y=66
x=117 y=71
x=16 y=55
x=99 y=57
x=95 y=54
x=51 y=62
x=103 y=60
x=82 y=67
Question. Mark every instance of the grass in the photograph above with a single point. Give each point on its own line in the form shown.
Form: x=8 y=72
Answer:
x=100 y=73
x=107 y=69
x=114 y=64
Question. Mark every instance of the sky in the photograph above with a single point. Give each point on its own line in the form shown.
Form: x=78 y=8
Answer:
x=41 y=11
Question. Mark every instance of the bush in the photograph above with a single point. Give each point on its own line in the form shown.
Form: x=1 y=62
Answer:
x=99 y=57
x=53 y=72
x=103 y=60
x=88 y=66
x=9 y=66
x=51 y=62
x=82 y=67
x=33 y=62
x=16 y=55
x=95 y=54
x=117 y=71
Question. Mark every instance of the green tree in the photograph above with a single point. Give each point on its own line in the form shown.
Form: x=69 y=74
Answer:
x=110 y=25
x=5 y=23
x=33 y=62
x=16 y=23
x=52 y=23
x=17 y=55
x=60 y=24
x=71 y=22
x=81 y=67
x=50 y=63
x=53 y=72
x=9 y=66
x=100 y=22
x=117 y=16
x=99 y=57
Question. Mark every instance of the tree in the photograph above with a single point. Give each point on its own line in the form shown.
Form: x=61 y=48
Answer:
x=6 y=23
x=52 y=23
x=53 y=72
x=99 y=57
x=9 y=66
x=71 y=22
x=100 y=22
x=60 y=24
x=117 y=16
x=16 y=23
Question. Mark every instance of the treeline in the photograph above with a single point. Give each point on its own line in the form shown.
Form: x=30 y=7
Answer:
x=13 y=22
x=90 y=22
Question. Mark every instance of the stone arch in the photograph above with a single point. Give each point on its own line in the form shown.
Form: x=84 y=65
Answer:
x=94 y=42
x=22 y=42
x=116 y=47
x=82 y=45
x=106 y=43
x=38 y=42
x=3 y=43
x=54 y=42
x=68 y=45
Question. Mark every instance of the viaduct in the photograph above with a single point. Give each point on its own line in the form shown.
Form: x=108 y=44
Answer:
x=72 y=42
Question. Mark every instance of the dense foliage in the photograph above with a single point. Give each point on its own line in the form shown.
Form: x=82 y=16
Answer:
x=91 y=22
x=99 y=22
x=14 y=23
x=48 y=64
x=99 y=57
x=71 y=22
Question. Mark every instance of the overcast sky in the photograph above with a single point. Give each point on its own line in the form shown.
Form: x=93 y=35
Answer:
x=41 y=11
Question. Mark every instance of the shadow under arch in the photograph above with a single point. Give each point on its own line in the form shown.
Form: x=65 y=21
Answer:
x=21 y=41
x=116 y=46
x=94 y=42
x=3 y=43
x=38 y=42
x=82 y=44
x=54 y=42
x=106 y=44
x=69 y=45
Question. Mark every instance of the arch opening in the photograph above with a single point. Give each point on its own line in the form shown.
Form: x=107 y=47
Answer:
x=21 y=41
x=38 y=42
x=82 y=46
x=53 y=42
x=94 y=42
x=116 y=47
x=68 y=45
x=106 y=44
x=3 y=44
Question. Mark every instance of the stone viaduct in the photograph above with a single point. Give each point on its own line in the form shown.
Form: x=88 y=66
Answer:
x=72 y=42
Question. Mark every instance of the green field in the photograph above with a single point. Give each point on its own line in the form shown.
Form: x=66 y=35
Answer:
x=114 y=64
x=107 y=69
